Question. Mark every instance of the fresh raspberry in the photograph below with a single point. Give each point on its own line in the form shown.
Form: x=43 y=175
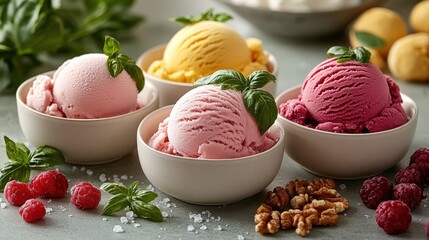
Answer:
x=409 y=193
x=393 y=216
x=427 y=229
x=85 y=196
x=16 y=193
x=420 y=155
x=32 y=210
x=50 y=184
x=375 y=190
x=409 y=175
x=423 y=168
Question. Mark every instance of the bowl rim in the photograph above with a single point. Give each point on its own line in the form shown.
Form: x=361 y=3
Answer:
x=364 y=4
x=280 y=141
x=410 y=121
x=29 y=81
x=271 y=60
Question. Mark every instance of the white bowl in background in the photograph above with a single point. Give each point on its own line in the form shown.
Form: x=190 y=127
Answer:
x=170 y=91
x=301 y=24
x=346 y=156
x=83 y=141
x=206 y=181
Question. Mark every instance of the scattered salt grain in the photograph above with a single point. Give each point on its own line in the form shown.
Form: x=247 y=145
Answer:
x=102 y=177
x=150 y=187
x=74 y=168
x=240 y=237
x=118 y=229
x=190 y=228
x=137 y=225
x=366 y=215
x=130 y=215
x=105 y=219
x=82 y=169
x=343 y=187
x=124 y=220
x=48 y=210
x=166 y=214
x=70 y=215
x=203 y=227
x=218 y=228
x=89 y=172
x=124 y=177
x=3 y=205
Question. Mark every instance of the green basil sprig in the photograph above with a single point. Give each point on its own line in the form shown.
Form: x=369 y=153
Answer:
x=260 y=104
x=369 y=40
x=116 y=62
x=22 y=161
x=344 y=54
x=205 y=16
x=136 y=199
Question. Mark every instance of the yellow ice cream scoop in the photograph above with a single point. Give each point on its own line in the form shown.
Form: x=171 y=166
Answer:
x=382 y=23
x=201 y=48
x=409 y=57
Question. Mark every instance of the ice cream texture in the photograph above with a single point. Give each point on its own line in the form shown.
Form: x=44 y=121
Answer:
x=347 y=97
x=82 y=88
x=210 y=123
x=204 y=47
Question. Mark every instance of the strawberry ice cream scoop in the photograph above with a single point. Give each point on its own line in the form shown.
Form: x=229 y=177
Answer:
x=83 y=88
x=210 y=123
x=347 y=97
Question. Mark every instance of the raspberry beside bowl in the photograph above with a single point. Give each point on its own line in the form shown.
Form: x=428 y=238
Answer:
x=83 y=141
x=347 y=156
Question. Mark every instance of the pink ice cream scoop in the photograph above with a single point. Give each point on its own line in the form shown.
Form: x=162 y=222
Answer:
x=348 y=97
x=210 y=123
x=83 y=88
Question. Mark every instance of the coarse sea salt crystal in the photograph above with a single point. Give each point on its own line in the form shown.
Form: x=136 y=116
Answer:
x=218 y=228
x=48 y=210
x=105 y=219
x=203 y=227
x=124 y=220
x=102 y=177
x=118 y=229
x=130 y=215
x=190 y=228
x=89 y=172
x=3 y=205
x=137 y=225
x=240 y=237
x=343 y=186
x=82 y=169
x=124 y=177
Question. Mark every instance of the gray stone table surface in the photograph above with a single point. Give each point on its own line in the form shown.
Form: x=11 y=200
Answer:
x=233 y=221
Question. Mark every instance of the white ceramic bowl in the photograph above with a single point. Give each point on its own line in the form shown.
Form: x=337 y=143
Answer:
x=208 y=181
x=83 y=141
x=169 y=91
x=347 y=156
x=300 y=23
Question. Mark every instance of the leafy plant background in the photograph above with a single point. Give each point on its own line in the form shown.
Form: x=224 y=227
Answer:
x=33 y=32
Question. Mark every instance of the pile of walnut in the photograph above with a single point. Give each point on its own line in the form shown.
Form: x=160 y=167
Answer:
x=314 y=202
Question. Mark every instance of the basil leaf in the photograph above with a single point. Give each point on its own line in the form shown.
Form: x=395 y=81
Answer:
x=133 y=188
x=114 y=188
x=144 y=195
x=13 y=171
x=226 y=79
x=146 y=210
x=259 y=79
x=369 y=40
x=111 y=46
x=205 y=16
x=362 y=54
x=45 y=156
x=136 y=74
x=114 y=204
x=337 y=51
x=16 y=152
x=114 y=66
x=262 y=107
